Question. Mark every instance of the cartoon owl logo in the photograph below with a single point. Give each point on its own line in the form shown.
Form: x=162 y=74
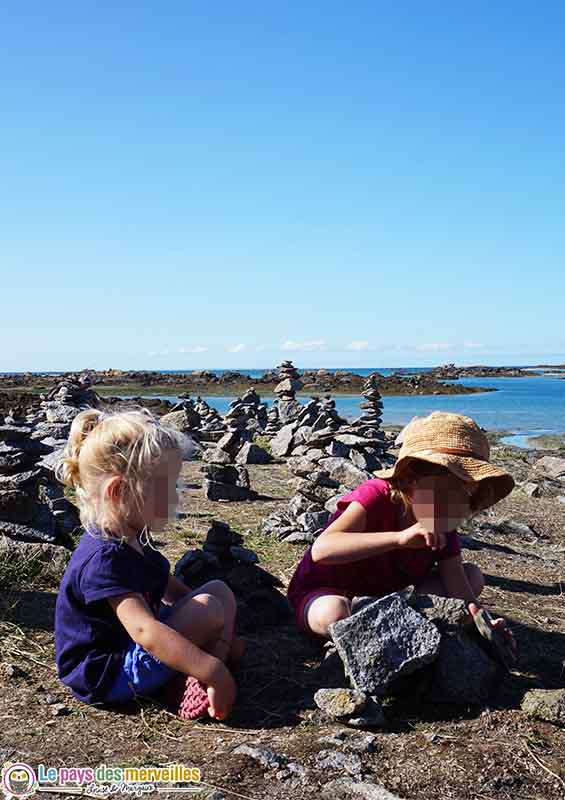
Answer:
x=18 y=781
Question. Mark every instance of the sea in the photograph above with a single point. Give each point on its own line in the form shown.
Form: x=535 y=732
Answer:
x=522 y=407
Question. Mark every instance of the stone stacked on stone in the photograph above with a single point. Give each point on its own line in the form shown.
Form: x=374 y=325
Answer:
x=289 y=383
x=321 y=481
x=236 y=446
x=369 y=423
x=247 y=413
x=414 y=643
x=183 y=417
x=227 y=482
x=212 y=424
x=223 y=557
x=273 y=421
x=33 y=506
x=57 y=410
x=315 y=425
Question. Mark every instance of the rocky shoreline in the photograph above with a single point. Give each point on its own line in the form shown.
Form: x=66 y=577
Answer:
x=319 y=381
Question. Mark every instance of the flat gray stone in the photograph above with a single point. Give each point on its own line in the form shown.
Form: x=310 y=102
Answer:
x=552 y=466
x=282 y=442
x=339 y=703
x=546 y=704
x=253 y=454
x=313 y=521
x=384 y=641
x=344 y=471
x=348 y=789
x=264 y=756
x=335 y=760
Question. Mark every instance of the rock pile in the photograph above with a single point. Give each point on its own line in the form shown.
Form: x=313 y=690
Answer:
x=315 y=426
x=33 y=506
x=247 y=413
x=212 y=425
x=227 y=482
x=416 y=644
x=273 y=421
x=235 y=446
x=183 y=417
x=289 y=383
x=223 y=557
x=368 y=424
x=329 y=458
x=321 y=481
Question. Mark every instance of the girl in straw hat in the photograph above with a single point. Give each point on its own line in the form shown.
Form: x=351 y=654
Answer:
x=401 y=527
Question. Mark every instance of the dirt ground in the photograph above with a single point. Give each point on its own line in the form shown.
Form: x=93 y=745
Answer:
x=426 y=752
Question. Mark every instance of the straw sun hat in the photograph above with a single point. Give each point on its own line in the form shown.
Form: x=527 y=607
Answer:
x=457 y=443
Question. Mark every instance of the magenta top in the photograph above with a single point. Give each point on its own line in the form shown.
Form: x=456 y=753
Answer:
x=377 y=575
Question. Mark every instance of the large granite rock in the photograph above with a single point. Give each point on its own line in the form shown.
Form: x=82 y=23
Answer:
x=385 y=640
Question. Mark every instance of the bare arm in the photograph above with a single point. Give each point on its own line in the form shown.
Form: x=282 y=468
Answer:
x=345 y=540
x=163 y=642
x=454 y=578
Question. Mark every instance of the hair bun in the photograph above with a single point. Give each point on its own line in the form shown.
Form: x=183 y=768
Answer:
x=83 y=424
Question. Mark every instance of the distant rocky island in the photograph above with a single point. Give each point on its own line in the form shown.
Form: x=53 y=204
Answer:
x=206 y=382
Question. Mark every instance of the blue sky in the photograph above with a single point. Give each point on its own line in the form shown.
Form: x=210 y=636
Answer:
x=190 y=184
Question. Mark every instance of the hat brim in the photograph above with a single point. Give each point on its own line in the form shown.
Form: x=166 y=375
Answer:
x=493 y=483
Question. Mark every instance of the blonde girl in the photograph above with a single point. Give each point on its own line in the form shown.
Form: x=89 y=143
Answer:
x=123 y=624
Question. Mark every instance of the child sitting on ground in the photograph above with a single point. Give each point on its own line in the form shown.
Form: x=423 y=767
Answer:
x=123 y=624
x=400 y=528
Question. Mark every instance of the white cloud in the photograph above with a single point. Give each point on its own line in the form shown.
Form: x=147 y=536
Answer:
x=312 y=344
x=472 y=346
x=432 y=347
x=158 y=353
x=196 y=349
x=260 y=347
x=357 y=346
x=236 y=348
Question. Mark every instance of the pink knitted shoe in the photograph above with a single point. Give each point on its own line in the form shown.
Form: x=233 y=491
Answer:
x=194 y=702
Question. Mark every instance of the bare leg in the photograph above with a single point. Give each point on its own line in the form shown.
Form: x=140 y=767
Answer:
x=323 y=610
x=207 y=618
x=199 y=617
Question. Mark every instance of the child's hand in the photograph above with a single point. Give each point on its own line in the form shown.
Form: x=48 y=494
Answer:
x=417 y=537
x=221 y=693
x=500 y=625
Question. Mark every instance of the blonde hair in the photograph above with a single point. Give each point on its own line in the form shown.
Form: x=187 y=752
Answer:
x=401 y=485
x=126 y=444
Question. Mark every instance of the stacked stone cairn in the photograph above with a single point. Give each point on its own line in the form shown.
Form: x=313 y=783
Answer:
x=183 y=417
x=288 y=406
x=247 y=413
x=330 y=457
x=34 y=512
x=212 y=424
x=321 y=480
x=408 y=644
x=273 y=421
x=226 y=481
x=226 y=477
x=223 y=557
